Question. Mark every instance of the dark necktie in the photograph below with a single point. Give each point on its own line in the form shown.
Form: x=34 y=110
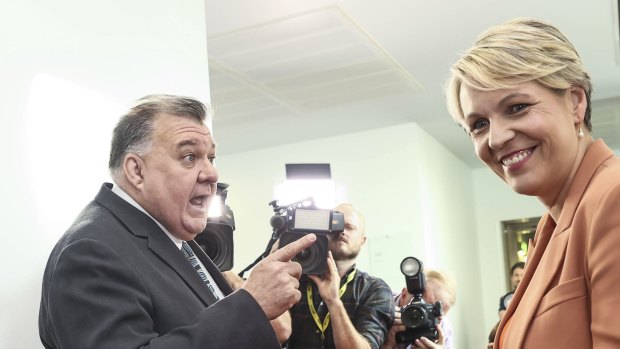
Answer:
x=193 y=260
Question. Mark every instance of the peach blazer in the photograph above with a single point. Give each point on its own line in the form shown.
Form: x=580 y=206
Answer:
x=569 y=296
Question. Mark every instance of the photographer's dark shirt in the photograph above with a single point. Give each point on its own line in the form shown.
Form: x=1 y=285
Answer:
x=368 y=301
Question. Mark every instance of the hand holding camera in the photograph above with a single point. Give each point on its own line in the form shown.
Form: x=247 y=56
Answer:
x=419 y=318
x=328 y=283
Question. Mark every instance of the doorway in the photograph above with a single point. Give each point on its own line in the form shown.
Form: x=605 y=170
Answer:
x=516 y=235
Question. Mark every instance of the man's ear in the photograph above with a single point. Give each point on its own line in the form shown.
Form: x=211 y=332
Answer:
x=133 y=167
x=579 y=103
x=404 y=295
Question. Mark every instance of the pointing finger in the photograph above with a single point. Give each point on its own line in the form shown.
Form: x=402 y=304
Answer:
x=286 y=253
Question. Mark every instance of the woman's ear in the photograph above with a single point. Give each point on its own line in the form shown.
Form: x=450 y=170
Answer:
x=579 y=103
x=133 y=165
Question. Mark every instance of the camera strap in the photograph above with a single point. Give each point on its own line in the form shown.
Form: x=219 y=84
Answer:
x=323 y=326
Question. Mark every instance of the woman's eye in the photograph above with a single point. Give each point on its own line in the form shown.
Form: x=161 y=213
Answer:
x=479 y=125
x=514 y=109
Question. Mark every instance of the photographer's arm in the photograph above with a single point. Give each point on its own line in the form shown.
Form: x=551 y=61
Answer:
x=281 y=325
x=345 y=334
x=397 y=326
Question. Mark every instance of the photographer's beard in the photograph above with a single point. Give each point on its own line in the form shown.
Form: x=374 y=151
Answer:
x=342 y=249
x=343 y=255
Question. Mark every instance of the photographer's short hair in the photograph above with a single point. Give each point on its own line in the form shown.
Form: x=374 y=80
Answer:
x=516 y=52
x=345 y=206
x=134 y=130
x=518 y=265
x=445 y=283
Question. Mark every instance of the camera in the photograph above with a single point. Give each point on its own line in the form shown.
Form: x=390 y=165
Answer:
x=293 y=221
x=217 y=238
x=504 y=301
x=419 y=318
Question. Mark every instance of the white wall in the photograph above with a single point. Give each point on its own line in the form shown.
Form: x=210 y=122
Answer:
x=416 y=197
x=68 y=69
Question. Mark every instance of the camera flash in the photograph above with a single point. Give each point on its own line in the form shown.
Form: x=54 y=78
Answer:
x=410 y=266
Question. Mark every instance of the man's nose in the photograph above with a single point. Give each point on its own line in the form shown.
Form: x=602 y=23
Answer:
x=208 y=173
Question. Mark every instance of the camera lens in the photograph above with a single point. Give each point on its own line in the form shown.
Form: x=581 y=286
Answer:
x=304 y=255
x=413 y=316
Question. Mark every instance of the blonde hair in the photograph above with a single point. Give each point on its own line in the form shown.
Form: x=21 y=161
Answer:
x=516 y=52
x=445 y=283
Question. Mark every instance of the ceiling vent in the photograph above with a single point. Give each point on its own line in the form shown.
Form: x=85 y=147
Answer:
x=300 y=63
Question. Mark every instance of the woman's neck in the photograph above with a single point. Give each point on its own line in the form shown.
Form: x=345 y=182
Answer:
x=555 y=205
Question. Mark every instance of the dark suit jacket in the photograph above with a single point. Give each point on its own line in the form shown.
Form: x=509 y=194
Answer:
x=116 y=280
x=568 y=297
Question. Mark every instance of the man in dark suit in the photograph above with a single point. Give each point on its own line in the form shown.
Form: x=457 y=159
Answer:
x=127 y=273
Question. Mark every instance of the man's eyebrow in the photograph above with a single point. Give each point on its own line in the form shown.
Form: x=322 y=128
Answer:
x=187 y=142
x=192 y=142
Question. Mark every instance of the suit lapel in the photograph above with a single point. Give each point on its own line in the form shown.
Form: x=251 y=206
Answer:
x=546 y=223
x=172 y=255
x=212 y=269
x=547 y=259
x=544 y=265
x=141 y=225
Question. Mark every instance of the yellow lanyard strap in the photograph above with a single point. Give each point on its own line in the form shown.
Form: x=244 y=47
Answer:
x=315 y=316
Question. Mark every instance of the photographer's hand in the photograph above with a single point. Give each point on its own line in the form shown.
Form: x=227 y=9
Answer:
x=397 y=326
x=425 y=343
x=345 y=334
x=274 y=281
x=328 y=283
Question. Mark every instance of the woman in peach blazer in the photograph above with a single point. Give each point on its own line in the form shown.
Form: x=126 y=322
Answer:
x=522 y=94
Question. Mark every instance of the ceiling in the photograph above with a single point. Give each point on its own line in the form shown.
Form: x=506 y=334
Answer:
x=284 y=71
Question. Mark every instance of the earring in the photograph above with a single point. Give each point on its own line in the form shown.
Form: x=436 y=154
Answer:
x=580 y=134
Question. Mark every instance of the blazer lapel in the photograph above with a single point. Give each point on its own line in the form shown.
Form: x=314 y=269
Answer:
x=546 y=223
x=548 y=259
x=212 y=269
x=158 y=242
x=174 y=257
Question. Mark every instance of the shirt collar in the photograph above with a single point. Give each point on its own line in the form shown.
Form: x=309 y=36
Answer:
x=123 y=195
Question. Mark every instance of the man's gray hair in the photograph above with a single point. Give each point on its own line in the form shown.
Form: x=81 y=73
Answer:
x=133 y=132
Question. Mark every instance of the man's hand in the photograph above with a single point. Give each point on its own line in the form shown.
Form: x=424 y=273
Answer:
x=274 y=281
x=397 y=326
x=328 y=283
x=425 y=343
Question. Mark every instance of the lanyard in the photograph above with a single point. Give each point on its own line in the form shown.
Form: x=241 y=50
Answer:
x=322 y=327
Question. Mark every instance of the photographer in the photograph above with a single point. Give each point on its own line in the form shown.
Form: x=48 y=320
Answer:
x=439 y=287
x=516 y=274
x=345 y=307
